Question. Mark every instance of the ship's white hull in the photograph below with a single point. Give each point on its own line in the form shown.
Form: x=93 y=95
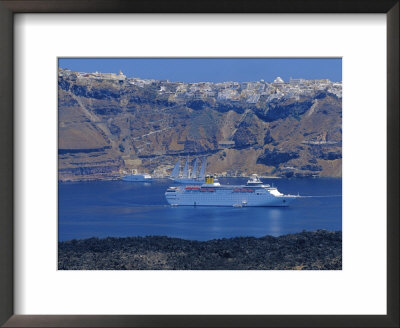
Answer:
x=226 y=197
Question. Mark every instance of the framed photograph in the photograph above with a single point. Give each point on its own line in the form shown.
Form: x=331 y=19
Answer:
x=215 y=165
x=194 y=173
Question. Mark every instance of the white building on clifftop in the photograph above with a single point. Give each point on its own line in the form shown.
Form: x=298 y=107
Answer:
x=278 y=80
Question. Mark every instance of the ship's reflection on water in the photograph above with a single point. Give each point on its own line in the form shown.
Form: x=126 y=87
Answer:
x=119 y=209
x=273 y=217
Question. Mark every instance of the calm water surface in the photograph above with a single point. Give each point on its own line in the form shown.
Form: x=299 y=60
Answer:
x=120 y=209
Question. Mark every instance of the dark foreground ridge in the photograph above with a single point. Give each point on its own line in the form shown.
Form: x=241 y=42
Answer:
x=319 y=250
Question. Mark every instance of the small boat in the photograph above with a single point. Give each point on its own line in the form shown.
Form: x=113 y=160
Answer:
x=136 y=177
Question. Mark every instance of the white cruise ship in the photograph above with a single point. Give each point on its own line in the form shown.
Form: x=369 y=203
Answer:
x=212 y=193
x=136 y=177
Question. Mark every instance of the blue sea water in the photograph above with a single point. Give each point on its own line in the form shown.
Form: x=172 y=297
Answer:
x=121 y=209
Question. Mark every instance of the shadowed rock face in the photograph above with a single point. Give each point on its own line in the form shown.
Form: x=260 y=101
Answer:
x=319 y=250
x=268 y=139
x=278 y=109
x=274 y=158
x=108 y=125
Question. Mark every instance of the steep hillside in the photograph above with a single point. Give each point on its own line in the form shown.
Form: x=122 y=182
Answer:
x=106 y=125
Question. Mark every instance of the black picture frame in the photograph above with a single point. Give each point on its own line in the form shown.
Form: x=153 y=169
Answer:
x=10 y=7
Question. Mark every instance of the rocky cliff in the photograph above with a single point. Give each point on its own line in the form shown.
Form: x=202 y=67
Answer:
x=107 y=125
x=318 y=250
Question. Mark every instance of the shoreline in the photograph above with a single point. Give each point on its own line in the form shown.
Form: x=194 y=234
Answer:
x=315 y=250
x=222 y=177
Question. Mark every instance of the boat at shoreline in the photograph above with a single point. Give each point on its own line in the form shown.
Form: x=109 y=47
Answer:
x=136 y=177
x=212 y=193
